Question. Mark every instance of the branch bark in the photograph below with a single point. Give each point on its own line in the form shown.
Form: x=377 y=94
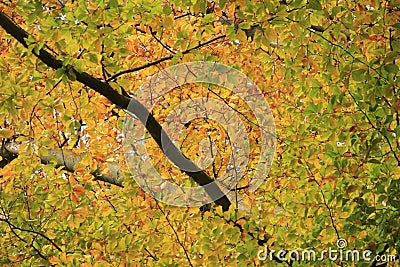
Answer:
x=67 y=159
x=135 y=107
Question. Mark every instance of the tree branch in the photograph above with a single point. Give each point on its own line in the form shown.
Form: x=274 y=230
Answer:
x=135 y=107
x=33 y=232
x=175 y=233
x=68 y=160
x=163 y=59
x=159 y=41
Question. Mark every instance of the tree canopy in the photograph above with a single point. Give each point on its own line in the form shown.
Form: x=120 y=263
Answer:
x=72 y=70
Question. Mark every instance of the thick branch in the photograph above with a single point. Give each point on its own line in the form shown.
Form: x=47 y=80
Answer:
x=151 y=124
x=68 y=160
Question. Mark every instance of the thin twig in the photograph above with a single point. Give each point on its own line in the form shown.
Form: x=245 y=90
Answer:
x=376 y=128
x=161 y=43
x=113 y=77
x=33 y=232
x=176 y=234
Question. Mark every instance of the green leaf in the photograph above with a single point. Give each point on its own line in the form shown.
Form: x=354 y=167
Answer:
x=391 y=68
x=374 y=161
x=230 y=31
x=358 y=75
x=93 y=58
x=222 y=3
x=315 y=4
x=167 y=10
x=208 y=18
x=244 y=26
x=30 y=40
x=396 y=45
x=113 y=3
x=79 y=65
x=59 y=73
x=37 y=48
x=335 y=11
x=71 y=74
x=182 y=34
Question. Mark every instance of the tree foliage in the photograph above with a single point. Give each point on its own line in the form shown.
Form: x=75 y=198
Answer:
x=329 y=70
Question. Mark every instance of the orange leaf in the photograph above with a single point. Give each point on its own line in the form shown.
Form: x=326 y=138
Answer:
x=75 y=198
x=78 y=189
x=100 y=157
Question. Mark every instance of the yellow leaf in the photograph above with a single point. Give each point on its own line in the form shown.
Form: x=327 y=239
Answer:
x=27 y=104
x=54 y=260
x=6 y=133
x=43 y=152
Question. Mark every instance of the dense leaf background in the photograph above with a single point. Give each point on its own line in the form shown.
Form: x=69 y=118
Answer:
x=328 y=69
